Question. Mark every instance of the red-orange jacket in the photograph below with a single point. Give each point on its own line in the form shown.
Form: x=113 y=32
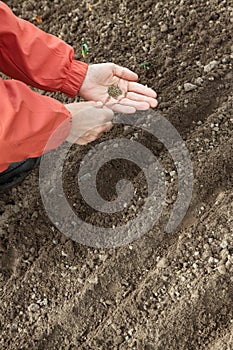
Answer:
x=31 y=56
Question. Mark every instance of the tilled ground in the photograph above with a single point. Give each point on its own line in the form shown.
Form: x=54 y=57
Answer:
x=163 y=292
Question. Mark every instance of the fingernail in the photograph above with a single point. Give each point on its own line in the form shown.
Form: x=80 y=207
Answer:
x=99 y=104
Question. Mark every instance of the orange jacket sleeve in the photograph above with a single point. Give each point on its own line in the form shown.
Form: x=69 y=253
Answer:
x=27 y=119
x=37 y=58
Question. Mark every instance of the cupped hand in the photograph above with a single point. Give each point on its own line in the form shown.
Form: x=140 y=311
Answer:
x=134 y=96
x=89 y=121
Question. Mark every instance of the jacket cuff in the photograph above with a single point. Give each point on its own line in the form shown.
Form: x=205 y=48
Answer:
x=74 y=78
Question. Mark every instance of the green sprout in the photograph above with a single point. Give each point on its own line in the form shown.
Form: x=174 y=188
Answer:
x=85 y=48
x=145 y=64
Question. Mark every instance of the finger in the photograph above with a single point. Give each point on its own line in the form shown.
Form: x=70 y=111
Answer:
x=92 y=137
x=138 y=105
x=97 y=104
x=97 y=136
x=108 y=127
x=100 y=135
x=86 y=139
x=87 y=103
x=103 y=128
x=97 y=130
x=81 y=141
x=124 y=73
x=107 y=115
x=142 y=98
x=124 y=105
x=123 y=109
x=141 y=89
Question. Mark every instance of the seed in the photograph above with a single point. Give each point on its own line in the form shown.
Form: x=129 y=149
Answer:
x=114 y=91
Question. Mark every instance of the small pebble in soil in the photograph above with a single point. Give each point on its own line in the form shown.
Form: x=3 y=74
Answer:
x=224 y=244
x=199 y=81
x=210 y=66
x=162 y=263
x=221 y=269
x=33 y=307
x=189 y=87
x=164 y=28
x=226 y=60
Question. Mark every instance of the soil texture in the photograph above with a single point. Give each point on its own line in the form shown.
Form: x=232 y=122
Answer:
x=162 y=291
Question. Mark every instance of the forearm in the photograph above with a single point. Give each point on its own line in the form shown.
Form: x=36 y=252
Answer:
x=37 y=58
x=27 y=120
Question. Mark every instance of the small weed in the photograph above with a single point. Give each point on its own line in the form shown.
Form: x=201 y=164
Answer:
x=84 y=47
x=145 y=65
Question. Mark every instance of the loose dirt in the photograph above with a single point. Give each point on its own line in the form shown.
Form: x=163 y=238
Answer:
x=162 y=292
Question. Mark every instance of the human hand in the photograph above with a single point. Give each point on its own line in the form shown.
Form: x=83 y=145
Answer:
x=134 y=96
x=89 y=121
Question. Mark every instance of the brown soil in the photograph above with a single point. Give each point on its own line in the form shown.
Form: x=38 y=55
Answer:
x=163 y=292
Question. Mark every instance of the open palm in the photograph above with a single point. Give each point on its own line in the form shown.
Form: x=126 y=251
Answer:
x=134 y=96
